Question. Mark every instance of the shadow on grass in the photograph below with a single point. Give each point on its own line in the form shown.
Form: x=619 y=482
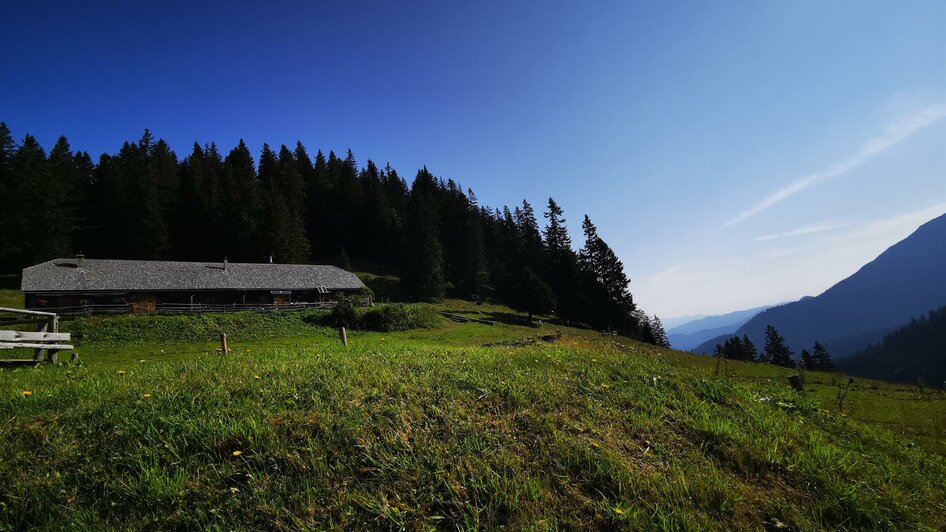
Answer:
x=507 y=318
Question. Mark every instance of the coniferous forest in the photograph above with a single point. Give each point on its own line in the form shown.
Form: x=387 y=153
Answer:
x=146 y=202
x=912 y=353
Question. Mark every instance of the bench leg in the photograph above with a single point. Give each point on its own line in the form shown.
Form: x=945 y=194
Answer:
x=53 y=356
x=53 y=324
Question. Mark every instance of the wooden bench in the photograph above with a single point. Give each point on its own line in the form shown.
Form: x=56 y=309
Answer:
x=47 y=340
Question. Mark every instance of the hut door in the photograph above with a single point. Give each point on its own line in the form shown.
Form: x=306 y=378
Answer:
x=143 y=304
x=281 y=298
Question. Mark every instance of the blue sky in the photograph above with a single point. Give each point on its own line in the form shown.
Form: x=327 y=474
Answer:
x=733 y=153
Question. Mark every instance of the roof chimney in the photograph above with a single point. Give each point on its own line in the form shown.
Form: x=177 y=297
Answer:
x=80 y=260
x=225 y=264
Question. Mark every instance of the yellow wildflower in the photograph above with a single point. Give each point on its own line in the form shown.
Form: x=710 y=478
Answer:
x=604 y=385
x=141 y=361
x=121 y=372
x=618 y=511
x=256 y=377
x=26 y=393
x=595 y=444
x=147 y=395
x=594 y=359
x=237 y=453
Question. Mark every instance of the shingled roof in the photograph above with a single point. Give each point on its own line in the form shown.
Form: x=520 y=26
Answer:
x=96 y=275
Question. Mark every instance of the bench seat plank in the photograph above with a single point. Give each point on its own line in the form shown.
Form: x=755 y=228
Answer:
x=14 y=336
x=34 y=345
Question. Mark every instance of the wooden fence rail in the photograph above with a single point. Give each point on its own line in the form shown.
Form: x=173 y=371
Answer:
x=47 y=340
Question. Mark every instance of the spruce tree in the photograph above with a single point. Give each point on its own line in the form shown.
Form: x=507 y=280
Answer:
x=660 y=335
x=534 y=296
x=376 y=214
x=749 y=350
x=510 y=255
x=164 y=167
x=29 y=175
x=533 y=252
x=735 y=349
x=58 y=209
x=198 y=227
x=242 y=208
x=83 y=199
x=645 y=332
x=396 y=192
x=317 y=201
x=605 y=283
x=9 y=237
x=291 y=190
x=106 y=210
x=138 y=215
x=283 y=201
x=776 y=351
x=462 y=237
x=562 y=266
x=423 y=267
x=805 y=360
x=821 y=359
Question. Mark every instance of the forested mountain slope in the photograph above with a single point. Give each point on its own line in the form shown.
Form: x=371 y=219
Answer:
x=917 y=351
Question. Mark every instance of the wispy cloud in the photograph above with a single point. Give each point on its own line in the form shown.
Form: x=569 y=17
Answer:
x=807 y=230
x=872 y=235
x=710 y=284
x=687 y=273
x=894 y=135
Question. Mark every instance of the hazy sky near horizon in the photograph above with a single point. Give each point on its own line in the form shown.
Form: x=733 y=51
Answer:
x=733 y=153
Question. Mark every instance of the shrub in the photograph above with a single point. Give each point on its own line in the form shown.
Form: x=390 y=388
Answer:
x=344 y=314
x=196 y=327
x=249 y=325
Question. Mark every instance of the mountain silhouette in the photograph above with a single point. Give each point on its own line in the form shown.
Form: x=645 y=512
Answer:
x=694 y=332
x=904 y=282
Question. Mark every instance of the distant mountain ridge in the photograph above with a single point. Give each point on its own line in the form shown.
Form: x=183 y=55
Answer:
x=904 y=282
x=693 y=333
x=674 y=322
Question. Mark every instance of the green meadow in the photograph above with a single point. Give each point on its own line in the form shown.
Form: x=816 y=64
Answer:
x=427 y=428
x=11 y=299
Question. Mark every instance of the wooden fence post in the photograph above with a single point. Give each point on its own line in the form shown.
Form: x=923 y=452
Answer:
x=43 y=327
x=796 y=383
x=223 y=344
x=53 y=354
x=343 y=335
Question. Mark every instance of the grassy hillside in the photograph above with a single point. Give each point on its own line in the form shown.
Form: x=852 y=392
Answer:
x=426 y=428
x=11 y=299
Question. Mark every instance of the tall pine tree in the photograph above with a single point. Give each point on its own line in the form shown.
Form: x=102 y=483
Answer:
x=423 y=266
x=776 y=351
x=562 y=264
